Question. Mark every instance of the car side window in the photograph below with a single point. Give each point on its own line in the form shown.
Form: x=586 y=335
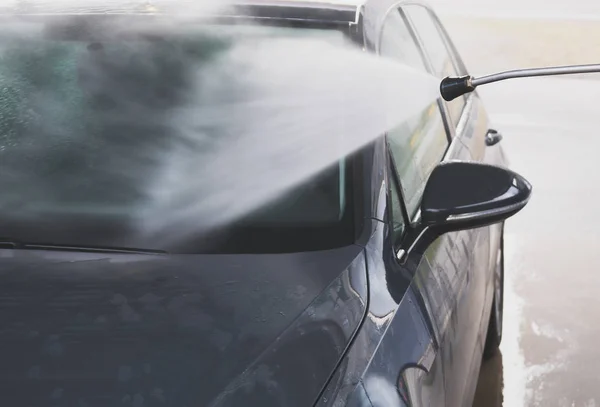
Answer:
x=418 y=144
x=398 y=224
x=437 y=50
x=398 y=43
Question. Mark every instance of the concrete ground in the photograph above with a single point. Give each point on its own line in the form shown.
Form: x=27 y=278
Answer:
x=550 y=351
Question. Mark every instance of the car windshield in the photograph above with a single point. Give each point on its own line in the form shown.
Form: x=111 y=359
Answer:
x=77 y=109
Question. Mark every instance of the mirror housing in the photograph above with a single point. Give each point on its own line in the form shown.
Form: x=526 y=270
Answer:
x=462 y=195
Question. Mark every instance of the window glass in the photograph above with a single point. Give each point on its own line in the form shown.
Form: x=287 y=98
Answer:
x=87 y=124
x=418 y=144
x=398 y=224
x=435 y=47
x=398 y=43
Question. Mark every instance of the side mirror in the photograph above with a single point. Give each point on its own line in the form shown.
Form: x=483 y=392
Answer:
x=462 y=195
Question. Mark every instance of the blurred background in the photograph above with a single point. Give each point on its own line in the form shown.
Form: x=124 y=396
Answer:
x=550 y=350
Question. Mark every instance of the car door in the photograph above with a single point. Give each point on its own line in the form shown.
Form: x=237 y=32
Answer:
x=462 y=263
x=414 y=148
x=474 y=131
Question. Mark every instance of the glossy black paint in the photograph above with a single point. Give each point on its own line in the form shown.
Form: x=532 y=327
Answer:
x=351 y=326
x=462 y=195
x=476 y=192
x=450 y=284
x=180 y=330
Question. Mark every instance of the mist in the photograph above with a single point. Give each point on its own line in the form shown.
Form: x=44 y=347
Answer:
x=310 y=105
x=190 y=132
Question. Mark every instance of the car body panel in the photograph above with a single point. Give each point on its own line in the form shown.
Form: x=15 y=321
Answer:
x=473 y=310
x=350 y=326
x=309 y=11
x=188 y=330
x=453 y=281
x=394 y=335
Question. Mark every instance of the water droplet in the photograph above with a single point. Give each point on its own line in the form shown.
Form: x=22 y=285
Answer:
x=56 y=394
x=125 y=373
x=138 y=400
x=34 y=372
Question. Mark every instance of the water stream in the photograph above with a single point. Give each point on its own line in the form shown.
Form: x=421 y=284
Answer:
x=184 y=129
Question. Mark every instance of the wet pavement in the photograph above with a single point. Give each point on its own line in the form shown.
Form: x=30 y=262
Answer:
x=550 y=353
x=553 y=289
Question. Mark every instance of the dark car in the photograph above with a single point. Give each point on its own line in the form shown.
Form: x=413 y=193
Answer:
x=378 y=282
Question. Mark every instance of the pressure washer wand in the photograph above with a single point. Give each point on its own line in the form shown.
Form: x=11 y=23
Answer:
x=452 y=87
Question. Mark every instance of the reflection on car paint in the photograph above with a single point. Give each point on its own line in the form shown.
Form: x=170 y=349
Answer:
x=324 y=329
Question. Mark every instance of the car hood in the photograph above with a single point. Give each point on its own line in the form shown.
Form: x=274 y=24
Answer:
x=82 y=329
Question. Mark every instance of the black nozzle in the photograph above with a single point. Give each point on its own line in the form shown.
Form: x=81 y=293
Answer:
x=451 y=88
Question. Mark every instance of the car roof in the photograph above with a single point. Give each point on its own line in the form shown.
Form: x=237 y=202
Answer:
x=323 y=13
x=334 y=11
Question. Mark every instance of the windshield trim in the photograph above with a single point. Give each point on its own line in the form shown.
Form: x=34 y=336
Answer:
x=313 y=11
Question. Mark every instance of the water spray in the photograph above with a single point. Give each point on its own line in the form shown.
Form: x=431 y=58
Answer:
x=453 y=87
